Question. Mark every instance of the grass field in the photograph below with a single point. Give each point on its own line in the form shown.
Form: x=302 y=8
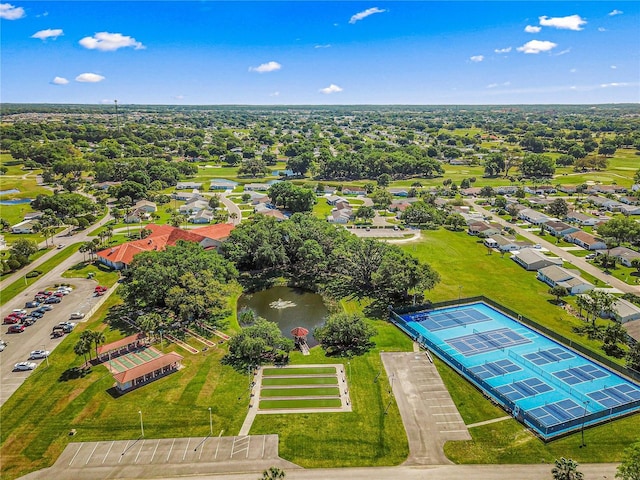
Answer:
x=101 y=273
x=306 y=403
x=300 y=392
x=300 y=381
x=298 y=371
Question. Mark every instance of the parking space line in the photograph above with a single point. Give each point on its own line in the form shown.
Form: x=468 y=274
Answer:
x=264 y=443
x=124 y=451
x=215 y=457
x=141 y=445
x=154 y=451
x=202 y=447
x=186 y=448
x=171 y=449
x=74 y=457
x=107 y=454
x=91 y=454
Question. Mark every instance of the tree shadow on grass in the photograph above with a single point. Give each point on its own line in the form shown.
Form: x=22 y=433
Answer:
x=74 y=373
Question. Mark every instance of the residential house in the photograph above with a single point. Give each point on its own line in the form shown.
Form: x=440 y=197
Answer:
x=188 y=186
x=606 y=189
x=147 y=206
x=504 y=244
x=105 y=185
x=585 y=240
x=624 y=311
x=533 y=216
x=26 y=226
x=136 y=215
x=194 y=206
x=483 y=229
x=272 y=212
x=505 y=190
x=556 y=276
x=399 y=191
x=581 y=219
x=540 y=201
x=630 y=200
x=202 y=216
x=257 y=187
x=559 y=229
x=533 y=259
x=333 y=199
x=188 y=196
x=354 y=191
x=470 y=192
x=568 y=189
x=540 y=189
x=623 y=255
x=630 y=209
x=604 y=203
x=33 y=215
x=222 y=184
x=341 y=214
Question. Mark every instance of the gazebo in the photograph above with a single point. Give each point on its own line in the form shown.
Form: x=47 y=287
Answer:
x=300 y=335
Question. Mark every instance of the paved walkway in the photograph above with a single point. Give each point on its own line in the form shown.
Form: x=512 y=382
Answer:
x=428 y=413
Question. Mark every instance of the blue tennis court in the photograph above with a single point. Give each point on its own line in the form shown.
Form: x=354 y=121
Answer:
x=544 y=384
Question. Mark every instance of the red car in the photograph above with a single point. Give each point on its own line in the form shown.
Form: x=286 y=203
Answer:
x=16 y=329
x=100 y=288
x=59 y=294
x=11 y=319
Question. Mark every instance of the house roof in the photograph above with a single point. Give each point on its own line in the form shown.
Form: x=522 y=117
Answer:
x=530 y=256
x=625 y=308
x=556 y=274
x=558 y=226
x=148 y=367
x=123 y=342
x=584 y=237
x=219 y=231
x=578 y=215
x=273 y=213
x=624 y=252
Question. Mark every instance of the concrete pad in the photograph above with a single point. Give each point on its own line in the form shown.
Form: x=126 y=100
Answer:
x=428 y=413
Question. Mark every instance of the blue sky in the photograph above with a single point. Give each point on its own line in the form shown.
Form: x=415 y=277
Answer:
x=305 y=52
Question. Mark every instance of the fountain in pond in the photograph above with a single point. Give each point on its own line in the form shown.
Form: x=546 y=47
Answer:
x=280 y=304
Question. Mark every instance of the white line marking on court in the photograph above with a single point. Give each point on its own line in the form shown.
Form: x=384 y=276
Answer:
x=107 y=454
x=124 y=451
x=141 y=445
x=248 y=442
x=91 y=454
x=186 y=448
x=453 y=431
x=74 y=457
x=154 y=451
x=171 y=449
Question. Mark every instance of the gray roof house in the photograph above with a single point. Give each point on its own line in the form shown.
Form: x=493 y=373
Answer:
x=581 y=219
x=625 y=311
x=533 y=216
x=585 y=240
x=532 y=259
x=558 y=276
x=604 y=202
x=482 y=229
x=503 y=243
x=559 y=229
x=622 y=255
x=630 y=209
x=188 y=185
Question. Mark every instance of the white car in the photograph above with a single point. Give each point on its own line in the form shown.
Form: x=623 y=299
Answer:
x=3 y=345
x=20 y=310
x=25 y=366
x=39 y=354
x=76 y=315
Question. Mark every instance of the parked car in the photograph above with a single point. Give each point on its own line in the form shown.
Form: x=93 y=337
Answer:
x=67 y=326
x=28 y=321
x=3 y=345
x=37 y=314
x=39 y=354
x=52 y=300
x=591 y=256
x=25 y=366
x=34 y=304
x=16 y=329
x=11 y=319
x=45 y=308
x=20 y=310
x=100 y=288
x=59 y=294
x=76 y=315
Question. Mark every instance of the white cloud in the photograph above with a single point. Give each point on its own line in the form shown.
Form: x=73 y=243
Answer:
x=48 y=33
x=532 y=29
x=89 y=78
x=572 y=22
x=106 y=101
x=266 y=67
x=109 y=42
x=331 y=89
x=503 y=50
x=9 y=12
x=274 y=94
x=573 y=70
x=615 y=12
x=613 y=67
x=327 y=45
x=602 y=29
x=563 y=52
x=477 y=58
x=179 y=97
x=494 y=85
x=615 y=84
x=537 y=46
x=59 y=81
x=364 y=14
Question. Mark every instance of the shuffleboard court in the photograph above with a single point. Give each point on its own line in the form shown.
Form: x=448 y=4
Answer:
x=300 y=381
x=268 y=372
x=305 y=403
x=300 y=392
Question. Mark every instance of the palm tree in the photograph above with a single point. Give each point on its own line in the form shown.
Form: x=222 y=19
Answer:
x=149 y=322
x=272 y=473
x=86 y=338
x=98 y=338
x=566 y=469
x=82 y=347
x=109 y=230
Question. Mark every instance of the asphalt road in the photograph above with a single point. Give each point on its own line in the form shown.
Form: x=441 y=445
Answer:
x=567 y=255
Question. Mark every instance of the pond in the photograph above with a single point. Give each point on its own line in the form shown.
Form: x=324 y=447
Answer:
x=7 y=192
x=16 y=201
x=288 y=307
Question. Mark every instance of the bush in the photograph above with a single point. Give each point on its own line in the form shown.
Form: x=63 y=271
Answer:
x=33 y=273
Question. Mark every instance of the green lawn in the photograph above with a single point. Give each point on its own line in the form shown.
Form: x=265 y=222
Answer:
x=298 y=371
x=300 y=392
x=23 y=283
x=101 y=273
x=300 y=381
x=311 y=403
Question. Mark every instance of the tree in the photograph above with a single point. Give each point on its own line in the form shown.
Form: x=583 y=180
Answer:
x=566 y=469
x=455 y=221
x=381 y=198
x=365 y=212
x=345 y=335
x=487 y=191
x=82 y=347
x=635 y=263
x=23 y=248
x=558 y=292
x=292 y=197
x=614 y=333
x=256 y=344
x=149 y=322
x=559 y=208
x=629 y=468
x=384 y=180
x=536 y=166
x=214 y=202
x=97 y=338
x=621 y=228
x=272 y=473
x=633 y=357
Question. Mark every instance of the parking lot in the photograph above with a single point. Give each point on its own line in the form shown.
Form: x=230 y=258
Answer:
x=38 y=336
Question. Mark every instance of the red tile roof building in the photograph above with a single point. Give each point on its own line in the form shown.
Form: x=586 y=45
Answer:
x=148 y=371
x=161 y=236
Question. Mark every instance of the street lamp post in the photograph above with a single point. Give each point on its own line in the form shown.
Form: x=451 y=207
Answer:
x=46 y=355
x=584 y=417
x=210 y=423
x=141 y=424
